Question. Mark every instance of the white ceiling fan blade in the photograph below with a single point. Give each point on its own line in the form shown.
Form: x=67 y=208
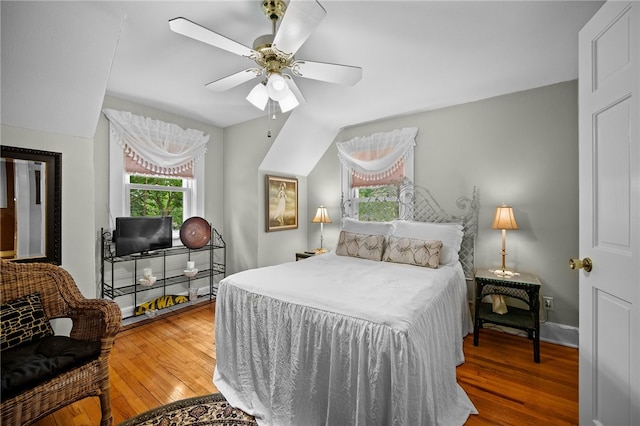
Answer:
x=332 y=73
x=294 y=89
x=191 y=29
x=300 y=20
x=233 y=80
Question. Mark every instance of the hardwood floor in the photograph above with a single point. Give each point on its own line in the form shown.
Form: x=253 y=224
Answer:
x=173 y=357
x=508 y=388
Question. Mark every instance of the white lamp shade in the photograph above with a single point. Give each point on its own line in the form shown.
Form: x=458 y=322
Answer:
x=322 y=216
x=288 y=103
x=277 y=87
x=259 y=96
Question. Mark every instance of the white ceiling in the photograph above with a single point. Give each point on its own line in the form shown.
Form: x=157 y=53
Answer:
x=60 y=58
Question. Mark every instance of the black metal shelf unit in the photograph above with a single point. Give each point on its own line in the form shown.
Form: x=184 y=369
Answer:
x=113 y=288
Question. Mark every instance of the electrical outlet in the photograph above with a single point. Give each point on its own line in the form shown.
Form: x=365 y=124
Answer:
x=548 y=303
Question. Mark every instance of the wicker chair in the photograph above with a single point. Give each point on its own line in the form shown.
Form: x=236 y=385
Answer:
x=93 y=320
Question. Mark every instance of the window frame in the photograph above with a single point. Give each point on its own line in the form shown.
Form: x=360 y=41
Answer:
x=185 y=189
x=119 y=188
x=352 y=200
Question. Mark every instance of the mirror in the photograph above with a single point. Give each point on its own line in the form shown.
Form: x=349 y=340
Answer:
x=30 y=205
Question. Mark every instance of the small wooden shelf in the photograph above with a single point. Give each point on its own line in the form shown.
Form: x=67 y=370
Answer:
x=523 y=286
x=516 y=318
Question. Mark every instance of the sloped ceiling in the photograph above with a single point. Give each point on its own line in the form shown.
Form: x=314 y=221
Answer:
x=56 y=58
x=60 y=58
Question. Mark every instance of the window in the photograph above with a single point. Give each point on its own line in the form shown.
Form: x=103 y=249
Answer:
x=158 y=196
x=136 y=194
x=153 y=169
x=374 y=168
x=375 y=203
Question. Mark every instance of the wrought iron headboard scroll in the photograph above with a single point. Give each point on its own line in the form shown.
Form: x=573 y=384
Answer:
x=418 y=204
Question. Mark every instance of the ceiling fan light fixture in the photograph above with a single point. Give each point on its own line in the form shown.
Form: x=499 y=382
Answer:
x=274 y=54
x=259 y=96
x=277 y=87
x=288 y=103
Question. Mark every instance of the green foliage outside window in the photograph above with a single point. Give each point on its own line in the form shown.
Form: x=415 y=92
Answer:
x=376 y=208
x=157 y=202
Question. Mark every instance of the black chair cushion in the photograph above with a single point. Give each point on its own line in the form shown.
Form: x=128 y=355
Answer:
x=28 y=365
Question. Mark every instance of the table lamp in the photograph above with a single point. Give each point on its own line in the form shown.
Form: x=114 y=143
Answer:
x=504 y=220
x=321 y=217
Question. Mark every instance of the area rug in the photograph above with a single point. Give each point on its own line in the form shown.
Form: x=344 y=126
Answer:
x=199 y=411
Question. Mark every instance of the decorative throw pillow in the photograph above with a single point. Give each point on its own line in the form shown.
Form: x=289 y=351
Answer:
x=449 y=233
x=23 y=320
x=363 y=246
x=413 y=252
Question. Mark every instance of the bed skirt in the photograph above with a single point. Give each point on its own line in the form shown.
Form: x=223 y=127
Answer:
x=290 y=364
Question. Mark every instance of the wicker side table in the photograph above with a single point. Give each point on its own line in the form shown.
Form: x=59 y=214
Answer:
x=524 y=287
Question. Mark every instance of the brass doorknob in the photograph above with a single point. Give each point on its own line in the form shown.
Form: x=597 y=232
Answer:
x=580 y=264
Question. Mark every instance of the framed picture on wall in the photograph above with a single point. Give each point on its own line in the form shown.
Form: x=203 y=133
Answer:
x=281 y=194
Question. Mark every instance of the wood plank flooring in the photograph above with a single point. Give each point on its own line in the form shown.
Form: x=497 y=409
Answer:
x=508 y=388
x=172 y=358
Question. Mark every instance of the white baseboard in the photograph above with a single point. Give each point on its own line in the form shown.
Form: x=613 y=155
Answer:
x=565 y=335
x=558 y=334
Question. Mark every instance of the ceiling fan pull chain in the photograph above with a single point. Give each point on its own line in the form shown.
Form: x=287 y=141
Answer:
x=270 y=102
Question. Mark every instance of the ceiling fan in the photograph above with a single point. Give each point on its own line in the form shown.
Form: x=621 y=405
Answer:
x=274 y=54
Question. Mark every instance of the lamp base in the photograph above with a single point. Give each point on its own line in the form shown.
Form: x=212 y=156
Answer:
x=321 y=250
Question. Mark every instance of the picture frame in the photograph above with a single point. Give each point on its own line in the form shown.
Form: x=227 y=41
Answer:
x=281 y=197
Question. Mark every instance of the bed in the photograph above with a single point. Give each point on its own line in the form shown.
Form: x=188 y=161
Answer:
x=360 y=335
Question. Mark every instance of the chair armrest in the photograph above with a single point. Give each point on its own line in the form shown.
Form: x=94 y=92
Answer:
x=95 y=319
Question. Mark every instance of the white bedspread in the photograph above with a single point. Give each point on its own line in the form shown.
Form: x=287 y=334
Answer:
x=336 y=340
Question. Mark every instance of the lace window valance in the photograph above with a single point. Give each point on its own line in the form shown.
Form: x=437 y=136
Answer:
x=156 y=146
x=378 y=156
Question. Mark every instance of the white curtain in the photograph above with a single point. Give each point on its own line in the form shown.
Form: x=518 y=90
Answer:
x=377 y=156
x=159 y=147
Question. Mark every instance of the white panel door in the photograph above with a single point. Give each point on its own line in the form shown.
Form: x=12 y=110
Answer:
x=609 y=158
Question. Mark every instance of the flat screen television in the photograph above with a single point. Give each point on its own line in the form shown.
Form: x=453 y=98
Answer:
x=142 y=234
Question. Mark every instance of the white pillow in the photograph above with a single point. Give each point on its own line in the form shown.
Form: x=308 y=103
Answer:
x=449 y=233
x=369 y=228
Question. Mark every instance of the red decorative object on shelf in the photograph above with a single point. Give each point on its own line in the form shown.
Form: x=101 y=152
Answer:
x=195 y=232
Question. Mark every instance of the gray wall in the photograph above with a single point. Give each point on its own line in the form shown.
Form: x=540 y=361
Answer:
x=85 y=185
x=78 y=221
x=521 y=149
x=249 y=246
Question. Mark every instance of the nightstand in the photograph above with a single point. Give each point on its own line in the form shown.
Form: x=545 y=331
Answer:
x=524 y=287
x=304 y=255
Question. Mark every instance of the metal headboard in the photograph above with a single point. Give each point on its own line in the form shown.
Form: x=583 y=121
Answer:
x=418 y=204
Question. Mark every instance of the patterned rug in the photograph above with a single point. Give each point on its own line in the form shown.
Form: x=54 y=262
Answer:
x=199 y=411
